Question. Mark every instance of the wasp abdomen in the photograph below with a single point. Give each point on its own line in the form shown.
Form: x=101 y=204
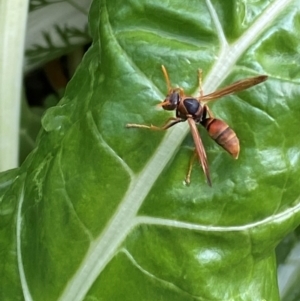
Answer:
x=223 y=135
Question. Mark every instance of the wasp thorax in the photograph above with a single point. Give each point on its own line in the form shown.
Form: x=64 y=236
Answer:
x=192 y=105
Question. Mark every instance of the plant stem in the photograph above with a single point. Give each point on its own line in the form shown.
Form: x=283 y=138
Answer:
x=13 y=17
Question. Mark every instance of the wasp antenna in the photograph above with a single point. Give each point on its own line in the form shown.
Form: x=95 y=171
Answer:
x=164 y=70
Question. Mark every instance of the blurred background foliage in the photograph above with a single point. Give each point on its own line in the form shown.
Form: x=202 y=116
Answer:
x=56 y=40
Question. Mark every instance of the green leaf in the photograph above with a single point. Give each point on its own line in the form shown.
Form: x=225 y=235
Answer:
x=105 y=214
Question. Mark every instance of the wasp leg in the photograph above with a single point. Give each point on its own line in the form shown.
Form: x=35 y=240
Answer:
x=188 y=175
x=169 y=123
x=200 y=81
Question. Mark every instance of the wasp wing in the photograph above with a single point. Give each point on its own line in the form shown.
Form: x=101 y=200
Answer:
x=199 y=149
x=235 y=87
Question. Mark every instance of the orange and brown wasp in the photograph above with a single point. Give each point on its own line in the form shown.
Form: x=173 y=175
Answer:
x=195 y=110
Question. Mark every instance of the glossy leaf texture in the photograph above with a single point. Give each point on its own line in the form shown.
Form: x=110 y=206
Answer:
x=103 y=212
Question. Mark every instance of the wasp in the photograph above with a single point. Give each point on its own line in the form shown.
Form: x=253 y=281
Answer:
x=195 y=111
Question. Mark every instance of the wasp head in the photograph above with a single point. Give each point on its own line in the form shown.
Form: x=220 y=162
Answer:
x=171 y=101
